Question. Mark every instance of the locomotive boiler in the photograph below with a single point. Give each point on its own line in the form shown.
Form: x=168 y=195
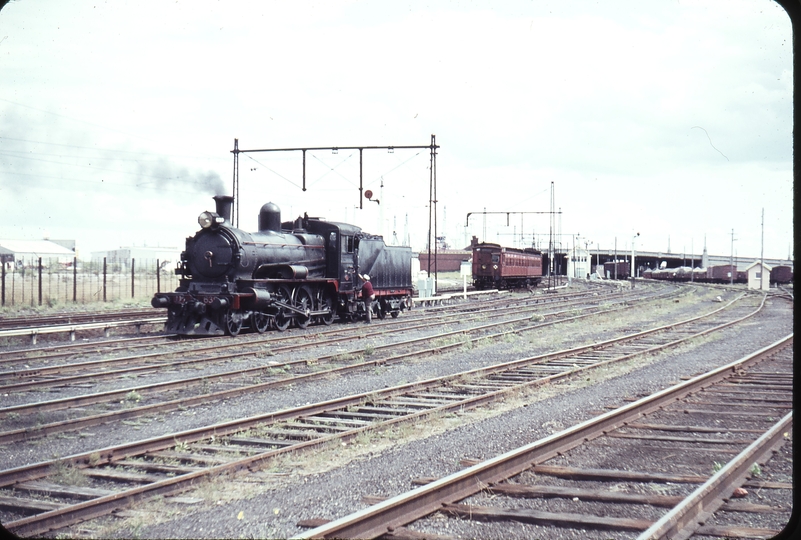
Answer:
x=296 y=272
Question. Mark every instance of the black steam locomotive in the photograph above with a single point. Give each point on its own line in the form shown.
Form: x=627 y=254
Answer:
x=300 y=272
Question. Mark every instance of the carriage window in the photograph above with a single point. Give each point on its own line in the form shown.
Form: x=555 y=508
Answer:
x=496 y=257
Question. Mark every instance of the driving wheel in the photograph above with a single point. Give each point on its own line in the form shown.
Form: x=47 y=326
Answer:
x=261 y=322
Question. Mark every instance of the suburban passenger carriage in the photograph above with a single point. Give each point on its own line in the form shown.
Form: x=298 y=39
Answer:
x=500 y=267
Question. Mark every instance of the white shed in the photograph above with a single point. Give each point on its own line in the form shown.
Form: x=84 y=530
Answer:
x=28 y=252
x=578 y=262
x=755 y=272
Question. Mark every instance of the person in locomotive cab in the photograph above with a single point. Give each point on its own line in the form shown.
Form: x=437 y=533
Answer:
x=368 y=295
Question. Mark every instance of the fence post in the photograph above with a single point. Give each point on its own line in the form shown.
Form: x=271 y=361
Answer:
x=133 y=274
x=75 y=280
x=40 y=281
x=158 y=276
x=104 y=279
x=4 y=281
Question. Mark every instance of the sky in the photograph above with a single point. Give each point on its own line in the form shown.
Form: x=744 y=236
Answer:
x=668 y=118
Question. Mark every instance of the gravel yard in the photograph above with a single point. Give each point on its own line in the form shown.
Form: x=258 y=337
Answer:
x=329 y=483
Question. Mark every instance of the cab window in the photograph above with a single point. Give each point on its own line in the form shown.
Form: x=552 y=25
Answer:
x=347 y=244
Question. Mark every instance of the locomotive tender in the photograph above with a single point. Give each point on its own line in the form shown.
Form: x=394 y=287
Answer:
x=505 y=267
x=299 y=272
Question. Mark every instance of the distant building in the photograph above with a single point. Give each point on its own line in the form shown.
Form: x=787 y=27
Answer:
x=166 y=256
x=756 y=271
x=22 y=253
x=448 y=260
x=578 y=262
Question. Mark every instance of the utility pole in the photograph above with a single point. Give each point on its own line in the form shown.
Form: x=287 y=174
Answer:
x=731 y=260
x=633 y=271
x=762 y=255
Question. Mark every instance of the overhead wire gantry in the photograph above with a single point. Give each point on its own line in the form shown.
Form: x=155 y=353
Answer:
x=432 y=206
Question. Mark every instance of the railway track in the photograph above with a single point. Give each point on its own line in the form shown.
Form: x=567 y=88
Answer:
x=36 y=327
x=38 y=321
x=665 y=443
x=20 y=375
x=216 y=387
x=172 y=463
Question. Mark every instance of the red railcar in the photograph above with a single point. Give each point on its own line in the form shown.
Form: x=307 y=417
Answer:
x=781 y=275
x=495 y=266
x=623 y=270
x=721 y=273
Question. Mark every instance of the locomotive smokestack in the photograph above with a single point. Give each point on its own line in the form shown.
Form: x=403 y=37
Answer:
x=270 y=218
x=224 y=203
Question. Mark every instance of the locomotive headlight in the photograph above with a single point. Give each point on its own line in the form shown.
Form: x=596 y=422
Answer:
x=210 y=219
x=205 y=220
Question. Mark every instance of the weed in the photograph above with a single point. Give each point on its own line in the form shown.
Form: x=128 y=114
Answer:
x=369 y=351
x=344 y=357
x=133 y=397
x=67 y=474
x=181 y=446
x=717 y=466
x=756 y=470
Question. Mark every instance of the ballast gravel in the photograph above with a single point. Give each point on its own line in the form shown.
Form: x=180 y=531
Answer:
x=299 y=488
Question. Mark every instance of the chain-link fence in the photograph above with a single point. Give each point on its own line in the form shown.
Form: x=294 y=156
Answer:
x=51 y=282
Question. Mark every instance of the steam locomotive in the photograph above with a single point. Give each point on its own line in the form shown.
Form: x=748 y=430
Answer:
x=297 y=272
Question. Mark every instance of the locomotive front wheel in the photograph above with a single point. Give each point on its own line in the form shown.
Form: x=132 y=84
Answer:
x=233 y=322
x=303 y=300
x=261 y=322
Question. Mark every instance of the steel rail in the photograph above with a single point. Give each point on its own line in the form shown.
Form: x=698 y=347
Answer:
x=216 y=396
x=75 y=317
x=385 y=517
x=201 y=399
x=74 y=513
x=73 y=328
x=237 y=349
x=67 y=349
x=112 y=395
x=680 y=522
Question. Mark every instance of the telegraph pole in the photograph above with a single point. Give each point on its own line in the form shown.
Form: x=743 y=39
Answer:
x=731 y=260
x=762 y=255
